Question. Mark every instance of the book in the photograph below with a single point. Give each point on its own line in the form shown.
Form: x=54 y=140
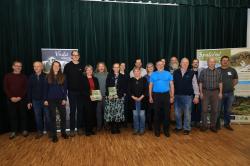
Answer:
x=96 y=95
x=112 y=91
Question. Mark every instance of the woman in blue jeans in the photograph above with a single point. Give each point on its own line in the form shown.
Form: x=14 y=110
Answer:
x=137 y=91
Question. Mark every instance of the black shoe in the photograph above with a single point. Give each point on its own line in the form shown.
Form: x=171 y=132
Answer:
x=135 y=132
x=80 y=132
x=166 y=133
x=213 y=129
x=150 y=127
x=92 y=132
x=54 y=139
x=25 y=133
x=39 y=135
x=88 y=134
x=177 y=130
x=203 y=129
x=12 y=135
x=229 y=127
x=72 y=133
x=117 y=131
x=157 y=134
x=186 y=132
x=65 y=136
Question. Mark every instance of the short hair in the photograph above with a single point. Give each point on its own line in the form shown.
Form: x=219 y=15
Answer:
x=195 y=59
x=134 y=69
x=224 y=56
x=88 y=66
x=74 y=51
x=17 y=61
x=37 y=62
x=149 y=63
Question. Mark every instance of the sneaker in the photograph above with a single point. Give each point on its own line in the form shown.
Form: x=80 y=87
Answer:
x=229 y=127
x=39 y=135
x=12 y=135
x=186 y=132
x=54 y=139
x=25 y=133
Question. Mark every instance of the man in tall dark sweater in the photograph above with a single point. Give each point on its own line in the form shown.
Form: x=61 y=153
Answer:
x=15 y=87
x=185 y=84
x=73 y=72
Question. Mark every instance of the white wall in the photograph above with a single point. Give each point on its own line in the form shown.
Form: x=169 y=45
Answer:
x=248 y=29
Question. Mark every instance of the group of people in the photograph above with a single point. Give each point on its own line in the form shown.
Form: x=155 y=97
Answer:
x=145 y=94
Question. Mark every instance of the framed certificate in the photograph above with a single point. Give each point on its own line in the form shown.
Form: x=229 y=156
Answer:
x=96 y=95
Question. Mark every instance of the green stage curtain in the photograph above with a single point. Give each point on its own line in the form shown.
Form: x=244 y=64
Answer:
x=114 y=32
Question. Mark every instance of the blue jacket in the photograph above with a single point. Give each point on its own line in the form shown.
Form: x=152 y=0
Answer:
x=55 y=91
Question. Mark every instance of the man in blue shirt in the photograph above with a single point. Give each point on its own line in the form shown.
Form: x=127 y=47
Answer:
x=161 y=93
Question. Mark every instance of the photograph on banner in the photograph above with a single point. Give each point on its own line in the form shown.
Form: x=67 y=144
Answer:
x=240 y=61
x=63 y=56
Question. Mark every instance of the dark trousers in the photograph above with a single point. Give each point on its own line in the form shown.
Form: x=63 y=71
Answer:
x=76 y=106
x=161 y=111
x=53 y=106
x=149 y=114
x=210 y=97
x=17 y=112
x=89 y=114
x=196 y=112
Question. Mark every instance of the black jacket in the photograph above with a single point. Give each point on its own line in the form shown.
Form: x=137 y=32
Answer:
x=121 y=84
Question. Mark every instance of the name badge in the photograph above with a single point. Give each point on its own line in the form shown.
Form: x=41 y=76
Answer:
x=229 y=73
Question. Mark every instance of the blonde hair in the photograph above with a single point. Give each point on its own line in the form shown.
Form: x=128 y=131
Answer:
x=97 y=66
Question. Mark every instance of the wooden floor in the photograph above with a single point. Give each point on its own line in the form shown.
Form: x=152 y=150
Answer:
x=224 y=148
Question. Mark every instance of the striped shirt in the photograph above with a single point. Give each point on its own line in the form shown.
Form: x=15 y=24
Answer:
x=210 y=79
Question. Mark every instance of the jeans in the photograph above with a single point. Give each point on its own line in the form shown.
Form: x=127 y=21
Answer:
x=17 y=112
x=76 y=105
x=53 y=105
x=139 y=118
x=226 y=108
x=183 y=104
x=161 y=111
x=41 y=113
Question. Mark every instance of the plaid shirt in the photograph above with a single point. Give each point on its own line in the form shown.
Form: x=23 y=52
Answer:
x=210 y=79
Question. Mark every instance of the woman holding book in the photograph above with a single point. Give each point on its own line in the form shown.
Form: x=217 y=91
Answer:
x=114 y=103
x=91 y=95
